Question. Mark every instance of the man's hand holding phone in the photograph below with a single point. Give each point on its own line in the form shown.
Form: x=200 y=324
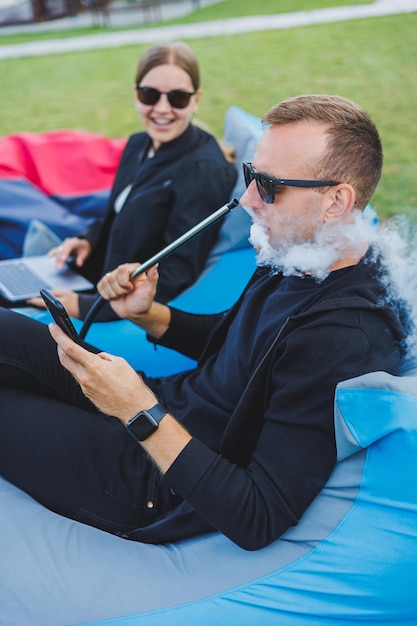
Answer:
x=61 y=317
x=111 y=384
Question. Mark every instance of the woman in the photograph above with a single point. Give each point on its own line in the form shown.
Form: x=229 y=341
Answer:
x=170 y=177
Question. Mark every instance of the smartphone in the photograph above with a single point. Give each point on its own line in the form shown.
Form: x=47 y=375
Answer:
x=61 y=317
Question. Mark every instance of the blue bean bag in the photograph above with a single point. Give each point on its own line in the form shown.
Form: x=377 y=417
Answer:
x=352 y=559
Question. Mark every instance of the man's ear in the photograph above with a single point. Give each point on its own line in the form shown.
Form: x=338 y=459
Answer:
x=343 y=200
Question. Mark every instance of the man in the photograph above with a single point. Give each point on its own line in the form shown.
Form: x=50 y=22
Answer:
x=243 y=443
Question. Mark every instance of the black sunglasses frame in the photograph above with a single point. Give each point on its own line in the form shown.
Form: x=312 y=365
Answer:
x=177 y=98
x=266 y=185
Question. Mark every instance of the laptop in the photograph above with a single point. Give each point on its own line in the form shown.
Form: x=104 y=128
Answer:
x=23 y=278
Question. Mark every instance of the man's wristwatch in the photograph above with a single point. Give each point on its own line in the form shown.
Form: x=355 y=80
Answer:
x=144 y=423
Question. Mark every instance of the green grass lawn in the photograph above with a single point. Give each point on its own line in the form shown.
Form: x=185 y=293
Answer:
x=218 y=11
x=371 y=61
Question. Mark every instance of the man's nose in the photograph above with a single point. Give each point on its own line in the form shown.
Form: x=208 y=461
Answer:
x=251 y=196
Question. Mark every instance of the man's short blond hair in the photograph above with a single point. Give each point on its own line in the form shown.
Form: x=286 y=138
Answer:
x=354 y=150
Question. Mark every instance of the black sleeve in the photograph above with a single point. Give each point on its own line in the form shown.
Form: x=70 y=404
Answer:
x=98 y=232
x=202 y=188
x=188 y=332
x=254 y=502
x=94 y=231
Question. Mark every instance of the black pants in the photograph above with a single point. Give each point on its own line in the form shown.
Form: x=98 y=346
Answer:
x=56 y=446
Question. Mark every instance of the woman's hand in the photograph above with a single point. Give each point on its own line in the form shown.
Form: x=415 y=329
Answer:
x=108 y=381
x=68 y=298
x=71 y=247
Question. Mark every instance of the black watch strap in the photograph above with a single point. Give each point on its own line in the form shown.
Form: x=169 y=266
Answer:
x=143 y=424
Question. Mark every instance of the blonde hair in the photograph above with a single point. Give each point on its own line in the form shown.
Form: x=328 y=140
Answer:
x=354 y=153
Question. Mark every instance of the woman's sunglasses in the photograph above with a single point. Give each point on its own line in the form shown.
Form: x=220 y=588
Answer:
x=177 y=98
x=266 y=185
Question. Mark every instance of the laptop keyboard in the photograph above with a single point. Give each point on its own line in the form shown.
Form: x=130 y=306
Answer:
x=20 y=280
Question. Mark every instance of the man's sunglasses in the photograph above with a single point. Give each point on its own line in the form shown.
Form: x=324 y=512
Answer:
x=177 y=98
x=266 y=185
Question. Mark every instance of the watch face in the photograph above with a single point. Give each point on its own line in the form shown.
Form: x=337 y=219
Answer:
x=142 y=425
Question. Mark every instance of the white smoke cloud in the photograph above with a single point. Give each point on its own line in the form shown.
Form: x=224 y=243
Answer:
x=396 y=239
x=314 y=257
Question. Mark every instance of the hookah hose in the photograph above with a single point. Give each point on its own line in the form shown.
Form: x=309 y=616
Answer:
x=162 y=254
